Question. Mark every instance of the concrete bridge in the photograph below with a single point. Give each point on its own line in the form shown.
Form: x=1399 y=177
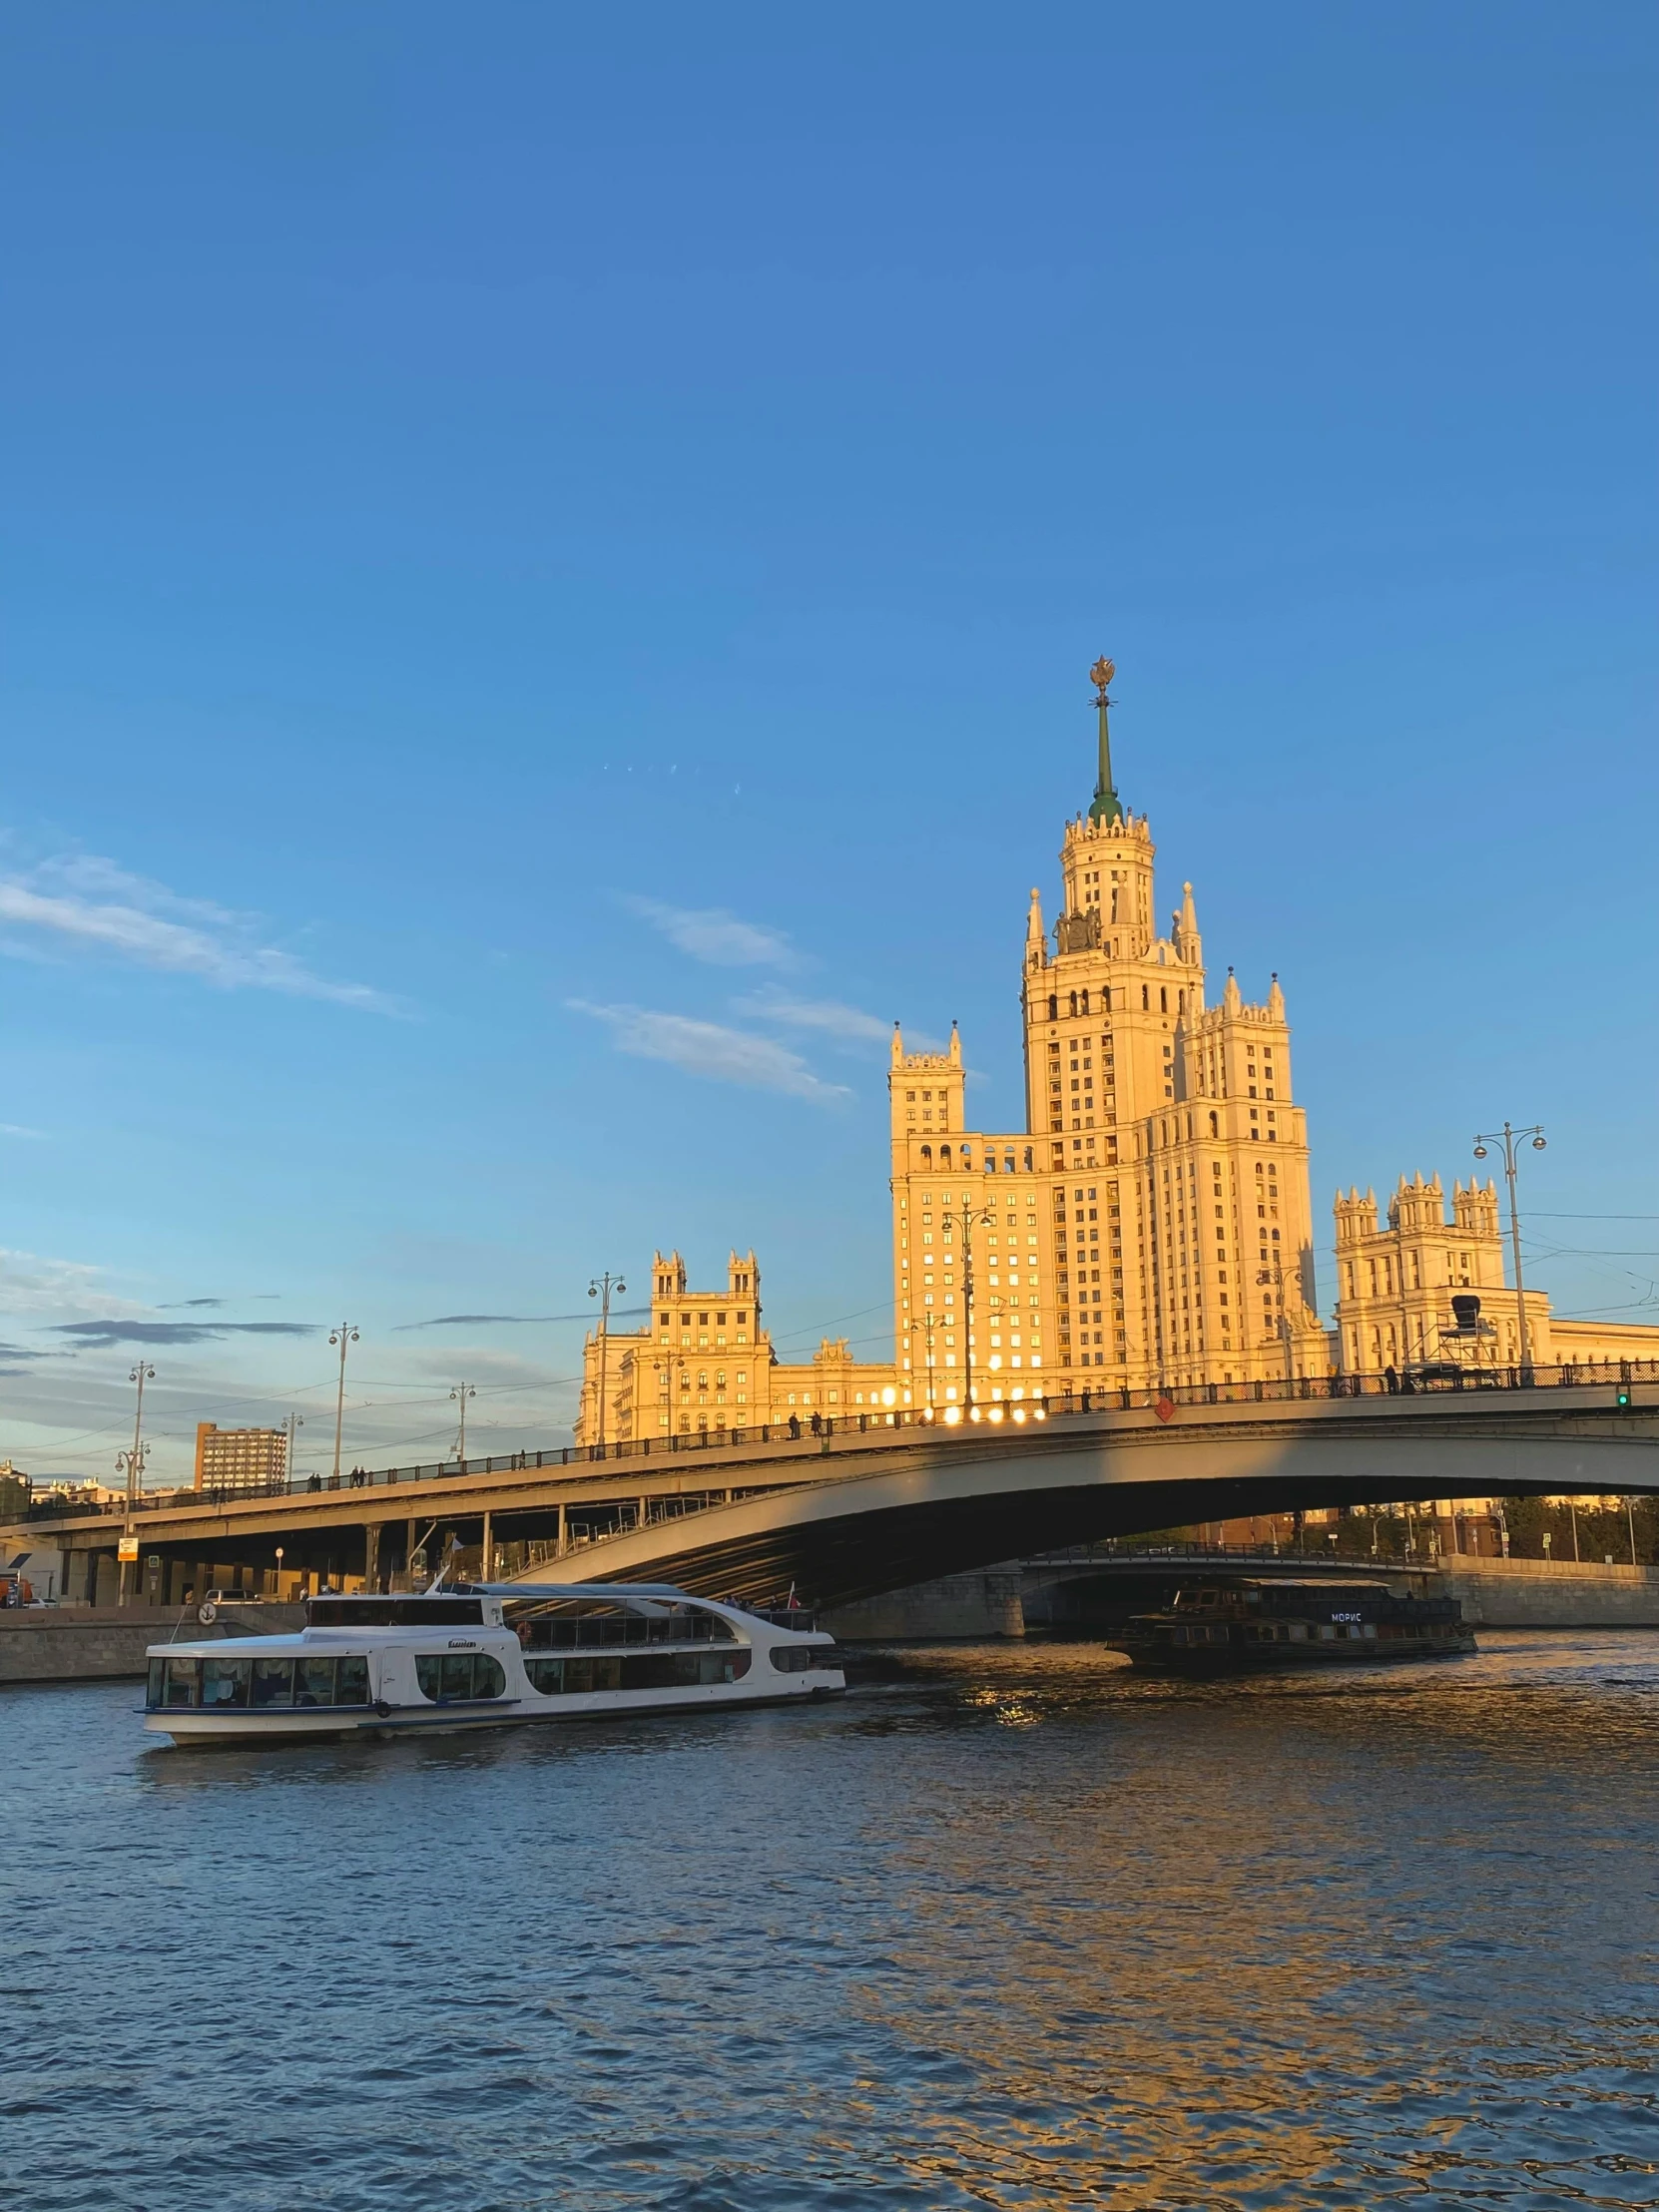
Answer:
x=856 y=1510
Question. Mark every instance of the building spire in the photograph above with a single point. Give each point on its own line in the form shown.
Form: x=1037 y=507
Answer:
x=1107 y=806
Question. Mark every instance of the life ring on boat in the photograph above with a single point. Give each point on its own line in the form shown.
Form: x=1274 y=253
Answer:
x=207 y=1613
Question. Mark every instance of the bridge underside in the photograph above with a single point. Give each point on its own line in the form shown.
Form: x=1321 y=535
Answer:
x=836 y=1559
x=859 y=1513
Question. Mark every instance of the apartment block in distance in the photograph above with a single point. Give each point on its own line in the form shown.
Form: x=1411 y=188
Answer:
x=240 y=1458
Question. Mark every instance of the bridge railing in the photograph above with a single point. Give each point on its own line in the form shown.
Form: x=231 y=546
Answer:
x=1048 y=1403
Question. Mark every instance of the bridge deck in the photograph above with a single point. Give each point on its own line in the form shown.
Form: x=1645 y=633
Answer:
x=898 y=1503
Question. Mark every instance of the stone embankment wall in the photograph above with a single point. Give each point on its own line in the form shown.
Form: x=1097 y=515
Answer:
x=83 y=1643
x=1495 y=1593
x=1552 y=1593
x=956 y=1608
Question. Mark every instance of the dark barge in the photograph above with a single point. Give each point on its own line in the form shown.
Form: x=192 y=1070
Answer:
x=1254 y=1623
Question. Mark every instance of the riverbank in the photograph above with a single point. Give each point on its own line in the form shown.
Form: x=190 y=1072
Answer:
x=1003 y=1602
x=91 y=1643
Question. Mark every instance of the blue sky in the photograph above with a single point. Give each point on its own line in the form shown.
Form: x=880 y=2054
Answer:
x=551 y=559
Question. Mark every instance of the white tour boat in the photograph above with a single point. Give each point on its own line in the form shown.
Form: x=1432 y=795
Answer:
x=485 y=1656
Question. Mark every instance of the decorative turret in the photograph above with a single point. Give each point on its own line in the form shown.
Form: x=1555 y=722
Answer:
x=1189 y=945
x=1475 y=1208
x=1037 y=943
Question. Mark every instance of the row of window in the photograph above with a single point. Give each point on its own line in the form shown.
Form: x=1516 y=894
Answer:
x=1078 y=1001
x=230 y=1685
x=643 y=1670
x=574 y=1631
x=458 y=1677
x=964 y=1159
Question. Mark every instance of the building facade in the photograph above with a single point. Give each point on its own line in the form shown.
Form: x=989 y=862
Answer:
x=1397 y=1276
x=1151 y=1225
x=240 y=1458
x=705 y=1362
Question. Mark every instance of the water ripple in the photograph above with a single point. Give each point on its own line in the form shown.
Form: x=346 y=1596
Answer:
x=1009 y=1928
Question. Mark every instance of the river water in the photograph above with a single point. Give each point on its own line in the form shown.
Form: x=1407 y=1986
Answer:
x=1007 y=1928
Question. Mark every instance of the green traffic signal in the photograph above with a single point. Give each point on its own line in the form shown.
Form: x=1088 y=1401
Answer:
x=1623 y=1397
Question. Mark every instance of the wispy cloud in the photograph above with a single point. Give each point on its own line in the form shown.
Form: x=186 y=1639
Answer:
x=100 y=1336
x=825 y=1014
x=16 y=1129
x=712 y=935
x=83 y=904
x=477 y=1321
x=710 y=1049
x=31 y=1284
x=180 y=1305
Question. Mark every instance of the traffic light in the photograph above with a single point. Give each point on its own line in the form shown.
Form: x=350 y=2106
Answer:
x=1622 y=1396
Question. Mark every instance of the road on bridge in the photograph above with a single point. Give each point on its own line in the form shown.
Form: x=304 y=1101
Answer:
x=855 y=1511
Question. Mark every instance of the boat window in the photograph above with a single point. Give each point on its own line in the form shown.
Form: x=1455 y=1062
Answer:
x=314 y=1682
x=586 y=1624
x=454 y=1675
x=394 y=1612
x=273 y=1682
x=265 y=1685
x=801 y=1658
x=643 y=1670
x=225 y=1683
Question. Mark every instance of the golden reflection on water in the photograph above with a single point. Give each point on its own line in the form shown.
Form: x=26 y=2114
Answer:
x=1239 y=1950
x=1009 y=1928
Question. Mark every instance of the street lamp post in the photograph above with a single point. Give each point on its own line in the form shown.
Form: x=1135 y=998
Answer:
x=296 y=1421
x=967 y=1217
x=133 y=1464
x=1400 y=1266
x=668 y=1383
x=924 y=1328
x=1507 y=1138
x=344 y=1335
x=601 y=1287
x=1276 y=1275
x=460 y=1393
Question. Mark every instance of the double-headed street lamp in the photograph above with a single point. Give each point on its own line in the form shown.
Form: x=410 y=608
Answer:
x=601 y=1287
x=132 y=1463
x=1276 y=1275
x=1508 y=1138
x=459 y=1395
x=344 y=1335
x=967 y=1217
x=923 y=1328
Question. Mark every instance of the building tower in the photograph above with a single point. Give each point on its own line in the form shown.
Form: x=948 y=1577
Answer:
x=1161 y=1220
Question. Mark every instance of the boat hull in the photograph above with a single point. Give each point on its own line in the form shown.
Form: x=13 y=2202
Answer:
x=198 y=1731
x=1225 y=1659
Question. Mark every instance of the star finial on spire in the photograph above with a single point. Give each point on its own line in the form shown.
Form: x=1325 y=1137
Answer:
x=1107 y=806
